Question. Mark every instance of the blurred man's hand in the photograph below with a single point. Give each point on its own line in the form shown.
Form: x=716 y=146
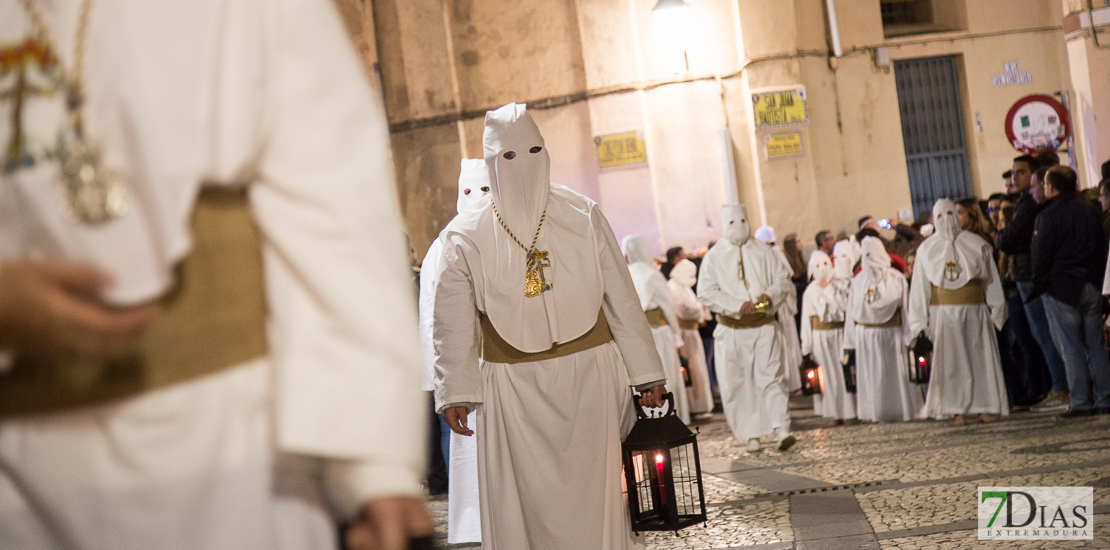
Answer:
x=456 y=420
x=388 y=523
x=53 y=308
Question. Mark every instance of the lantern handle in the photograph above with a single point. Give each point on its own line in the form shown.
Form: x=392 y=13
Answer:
x=641 y=411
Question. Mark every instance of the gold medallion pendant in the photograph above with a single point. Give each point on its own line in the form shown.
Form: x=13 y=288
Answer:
x=952 y=271
x=534 y=281
x=872 y=295
x=93 y=192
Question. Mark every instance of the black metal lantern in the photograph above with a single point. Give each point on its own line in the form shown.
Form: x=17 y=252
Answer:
x=663 y=472
x=811 y=376
x=921 y=360
x=849 y=370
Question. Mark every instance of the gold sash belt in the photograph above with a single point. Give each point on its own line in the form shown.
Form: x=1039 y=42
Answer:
x=895 y=321
x=816 y=323
x=751 y=320
x=687 y=324
x=495 y=349
x=214 y=318
x=656 y=318
x=970 y=294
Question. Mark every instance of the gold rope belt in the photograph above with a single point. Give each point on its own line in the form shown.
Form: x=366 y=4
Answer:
x=816 y=323
x=687 y=324
x=973 y=293
x=751 y=320
x=495 y=349
x=214 y=318
x=895 y=321
x=656 y=318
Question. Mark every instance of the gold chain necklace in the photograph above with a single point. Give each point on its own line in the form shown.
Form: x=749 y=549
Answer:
x=534 y=281
x=94 y=193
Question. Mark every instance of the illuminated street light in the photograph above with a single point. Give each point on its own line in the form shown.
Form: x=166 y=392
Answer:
x=673 y=18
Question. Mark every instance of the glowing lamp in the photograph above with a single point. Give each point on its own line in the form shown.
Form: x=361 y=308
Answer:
x=662 y=471
x=811 y=376
x=673 y=18
x=921 y=360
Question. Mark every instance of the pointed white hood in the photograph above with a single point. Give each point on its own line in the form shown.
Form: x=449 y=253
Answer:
x=685 y=273
x=845 y=260
x=820 y=267
x=473 y=184
x=519 y=168
x=947 y=258
x=735 y=220
x=878 y=290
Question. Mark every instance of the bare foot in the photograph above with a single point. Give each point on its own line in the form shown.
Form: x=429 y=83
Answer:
x=959 y=421
x=987 y=418
x=864 y=421
x=836 y=422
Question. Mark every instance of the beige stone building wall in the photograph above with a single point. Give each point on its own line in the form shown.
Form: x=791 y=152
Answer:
x=595 y=67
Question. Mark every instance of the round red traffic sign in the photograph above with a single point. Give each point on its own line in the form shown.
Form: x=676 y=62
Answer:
x=1037 y=123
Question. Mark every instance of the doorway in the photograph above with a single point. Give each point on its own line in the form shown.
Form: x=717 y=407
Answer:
x=932 y=130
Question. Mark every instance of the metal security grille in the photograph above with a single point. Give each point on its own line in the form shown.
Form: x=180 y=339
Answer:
x=932 y=130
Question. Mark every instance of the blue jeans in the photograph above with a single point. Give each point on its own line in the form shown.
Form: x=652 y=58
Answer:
x=1038 y=323
x=1077 y=332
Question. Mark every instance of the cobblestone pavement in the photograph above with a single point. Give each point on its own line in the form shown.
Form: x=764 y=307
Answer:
x=909 y=486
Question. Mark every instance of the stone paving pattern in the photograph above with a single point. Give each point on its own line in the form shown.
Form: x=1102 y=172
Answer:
x=915 y=482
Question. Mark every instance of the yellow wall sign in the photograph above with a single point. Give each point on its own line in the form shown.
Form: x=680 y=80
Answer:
x=784 y=145
x=624 y=149
x=780 y=107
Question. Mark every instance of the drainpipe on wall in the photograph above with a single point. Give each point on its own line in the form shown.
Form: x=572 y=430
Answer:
x=834 y=28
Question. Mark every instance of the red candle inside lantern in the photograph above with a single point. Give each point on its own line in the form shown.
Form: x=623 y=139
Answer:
x=659 y=471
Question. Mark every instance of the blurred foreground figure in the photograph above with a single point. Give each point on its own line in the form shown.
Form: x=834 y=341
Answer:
x=532 y=303
x=203 y=288
x=743 y=281
x=956 y=300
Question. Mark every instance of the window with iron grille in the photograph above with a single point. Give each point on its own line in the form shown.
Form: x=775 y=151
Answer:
x=902 y=13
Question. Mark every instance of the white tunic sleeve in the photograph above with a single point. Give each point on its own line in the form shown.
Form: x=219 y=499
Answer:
x=849 y=317
x=428 y=270
x=808 y=311
x=622 y=310
x=920 y=292
x=781 y=288
x=710 y=292
x=343 y=324
x=455 y=331
x=661 y=295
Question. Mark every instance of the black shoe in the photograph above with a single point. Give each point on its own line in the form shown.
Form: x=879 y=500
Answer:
x=1076 y=413
x=1102 y=410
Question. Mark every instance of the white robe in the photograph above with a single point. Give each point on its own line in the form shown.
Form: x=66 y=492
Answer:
x=827 y=304
x=464 y=511
x=549 y=460
x=265 y=93
x=884 y=392
x=791 y=345
x=966 y=376
x=688 y=308
x=652 y=289
x=750 y=367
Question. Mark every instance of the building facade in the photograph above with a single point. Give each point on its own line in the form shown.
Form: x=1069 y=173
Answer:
x=811 y=120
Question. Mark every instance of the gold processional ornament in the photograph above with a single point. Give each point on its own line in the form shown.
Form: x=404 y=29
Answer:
x=535 y=283
x=872 y=295
x=93 y=192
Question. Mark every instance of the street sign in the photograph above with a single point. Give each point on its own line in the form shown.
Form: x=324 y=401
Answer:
x=779 y=107
x=1037 y=123
x=625 y=149
x=784 y=145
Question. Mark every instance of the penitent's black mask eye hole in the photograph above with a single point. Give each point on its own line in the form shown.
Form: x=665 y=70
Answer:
x=485 y=189
x=535 y=149
x=466 y=191
x=510 y=155
x=731 y=222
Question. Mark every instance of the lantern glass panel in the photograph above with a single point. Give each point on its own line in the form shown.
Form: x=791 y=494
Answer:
x=687 y=487
x=647 y=482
